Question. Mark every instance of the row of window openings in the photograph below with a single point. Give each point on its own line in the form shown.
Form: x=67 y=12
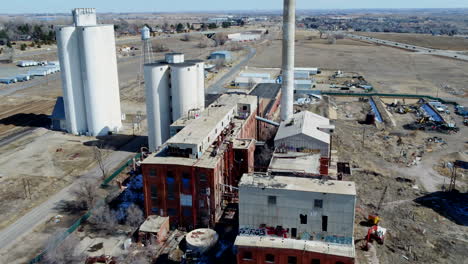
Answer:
x=201 y=176
x=186 y=211
x=317 y=202
x=270 y=258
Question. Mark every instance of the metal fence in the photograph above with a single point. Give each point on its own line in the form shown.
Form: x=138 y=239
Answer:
x=83 y=218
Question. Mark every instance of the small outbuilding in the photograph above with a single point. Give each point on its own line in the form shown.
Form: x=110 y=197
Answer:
x=155 y=228
x=222 y=54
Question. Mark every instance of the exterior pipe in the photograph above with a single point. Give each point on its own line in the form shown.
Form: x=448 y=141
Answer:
x=289 y=27
x=267 y=121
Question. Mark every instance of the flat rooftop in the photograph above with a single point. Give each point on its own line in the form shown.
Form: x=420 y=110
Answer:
x=296 y=244
x=295 y=162
x=266 y=90
x=196 y=130
x=262 y=180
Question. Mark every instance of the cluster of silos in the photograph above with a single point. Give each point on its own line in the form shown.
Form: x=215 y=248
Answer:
x=174 y=87
x=90 y=84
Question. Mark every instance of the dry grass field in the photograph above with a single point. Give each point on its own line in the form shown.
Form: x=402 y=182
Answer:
x=423 y=40
x=389 y=70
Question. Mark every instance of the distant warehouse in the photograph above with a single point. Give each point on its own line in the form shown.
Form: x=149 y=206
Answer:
x=222 y=54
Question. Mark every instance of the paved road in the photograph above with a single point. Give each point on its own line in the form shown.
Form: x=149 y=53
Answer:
x=218 y=86
x=443 y=53
x=44 y=211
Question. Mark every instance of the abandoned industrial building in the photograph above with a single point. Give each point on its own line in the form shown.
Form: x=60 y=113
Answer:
x=285 y=219
x=191 y=177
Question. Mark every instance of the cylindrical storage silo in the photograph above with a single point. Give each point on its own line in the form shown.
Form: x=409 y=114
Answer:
x=157 y=104
x=100 y=79
x=184 y=82
x=145 y=33
x=72 y=86
x=200 y=83
x=201 y=240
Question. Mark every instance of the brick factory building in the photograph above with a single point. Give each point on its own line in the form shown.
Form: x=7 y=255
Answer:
x=190 y=178
x=269 y=95
x=295 y=220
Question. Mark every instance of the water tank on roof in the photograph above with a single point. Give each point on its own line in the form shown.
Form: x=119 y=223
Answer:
x=201 y=240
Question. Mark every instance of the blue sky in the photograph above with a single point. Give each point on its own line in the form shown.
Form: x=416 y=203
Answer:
x=42 y=6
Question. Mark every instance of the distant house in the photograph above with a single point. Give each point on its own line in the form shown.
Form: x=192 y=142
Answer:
x=222 y=54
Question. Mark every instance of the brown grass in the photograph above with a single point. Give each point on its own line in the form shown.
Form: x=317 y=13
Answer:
x=423 y=40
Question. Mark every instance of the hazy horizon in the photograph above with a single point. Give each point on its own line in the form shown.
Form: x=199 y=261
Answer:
x=218 y=6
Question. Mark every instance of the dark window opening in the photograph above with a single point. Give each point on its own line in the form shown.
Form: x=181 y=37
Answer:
x=247 y=255
x=315 y=261
x=155 y=210
x=270 y=258
x=170 y=186
x=339 y=262
x=303 y=218
x=186 y=181
x=292 y=260
x=154 y=191
x=318 y=203
x=271 y=199
x=202 y=177
x=152 y=172
x=171 y=211
x=293 y=232
x=187 y=211
x=324 y=223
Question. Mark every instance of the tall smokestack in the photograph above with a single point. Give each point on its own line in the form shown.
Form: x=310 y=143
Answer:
x=289 y=27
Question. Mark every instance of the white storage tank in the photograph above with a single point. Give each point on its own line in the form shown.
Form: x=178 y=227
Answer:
x=201 y=240
x=100 y=79
x=157 y=103
x=184 y=90
x=145 y=33
x=200 y=83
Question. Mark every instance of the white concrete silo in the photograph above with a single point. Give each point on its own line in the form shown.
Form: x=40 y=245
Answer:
x=200 y=83
x=184 y=90
x=72 y=85
x=157 y=103
x=100 y=79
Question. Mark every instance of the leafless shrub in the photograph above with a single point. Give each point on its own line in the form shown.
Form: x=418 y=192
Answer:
x=104 y=219
x=202 y=44
x=220 y=38
x=236 y=46
x=99 y=157
x=62 y=252
x=86 y=194
x=339 y=36
x=331 y=40
x=186 y=37
x=134 y=216
x=160 y=47
x=219 y=63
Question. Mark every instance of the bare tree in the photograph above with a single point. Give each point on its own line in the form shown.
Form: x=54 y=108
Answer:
x=220 y=38
x=86 y=194
x=219 y=63
x=63 y=252
x=134 y=216
x=160 y=47
x=186 y=37
x=99 y=157
x=104 y=219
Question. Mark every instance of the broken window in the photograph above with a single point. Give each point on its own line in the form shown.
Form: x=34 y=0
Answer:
x=324 y=223
x=170 y=186
x=272 y=200
x=293 y=232
x=202 y=177
x=171 y=211
x=292 y=260
x=247 y=255
x=315 y=261
x=303 y=218
x=318 y=203
x=270 y=258
x=186 y=181
x=152 y=172
x=154 y=191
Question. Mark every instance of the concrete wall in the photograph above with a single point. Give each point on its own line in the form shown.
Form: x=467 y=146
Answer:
x=281 y=256
x=254 y=210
